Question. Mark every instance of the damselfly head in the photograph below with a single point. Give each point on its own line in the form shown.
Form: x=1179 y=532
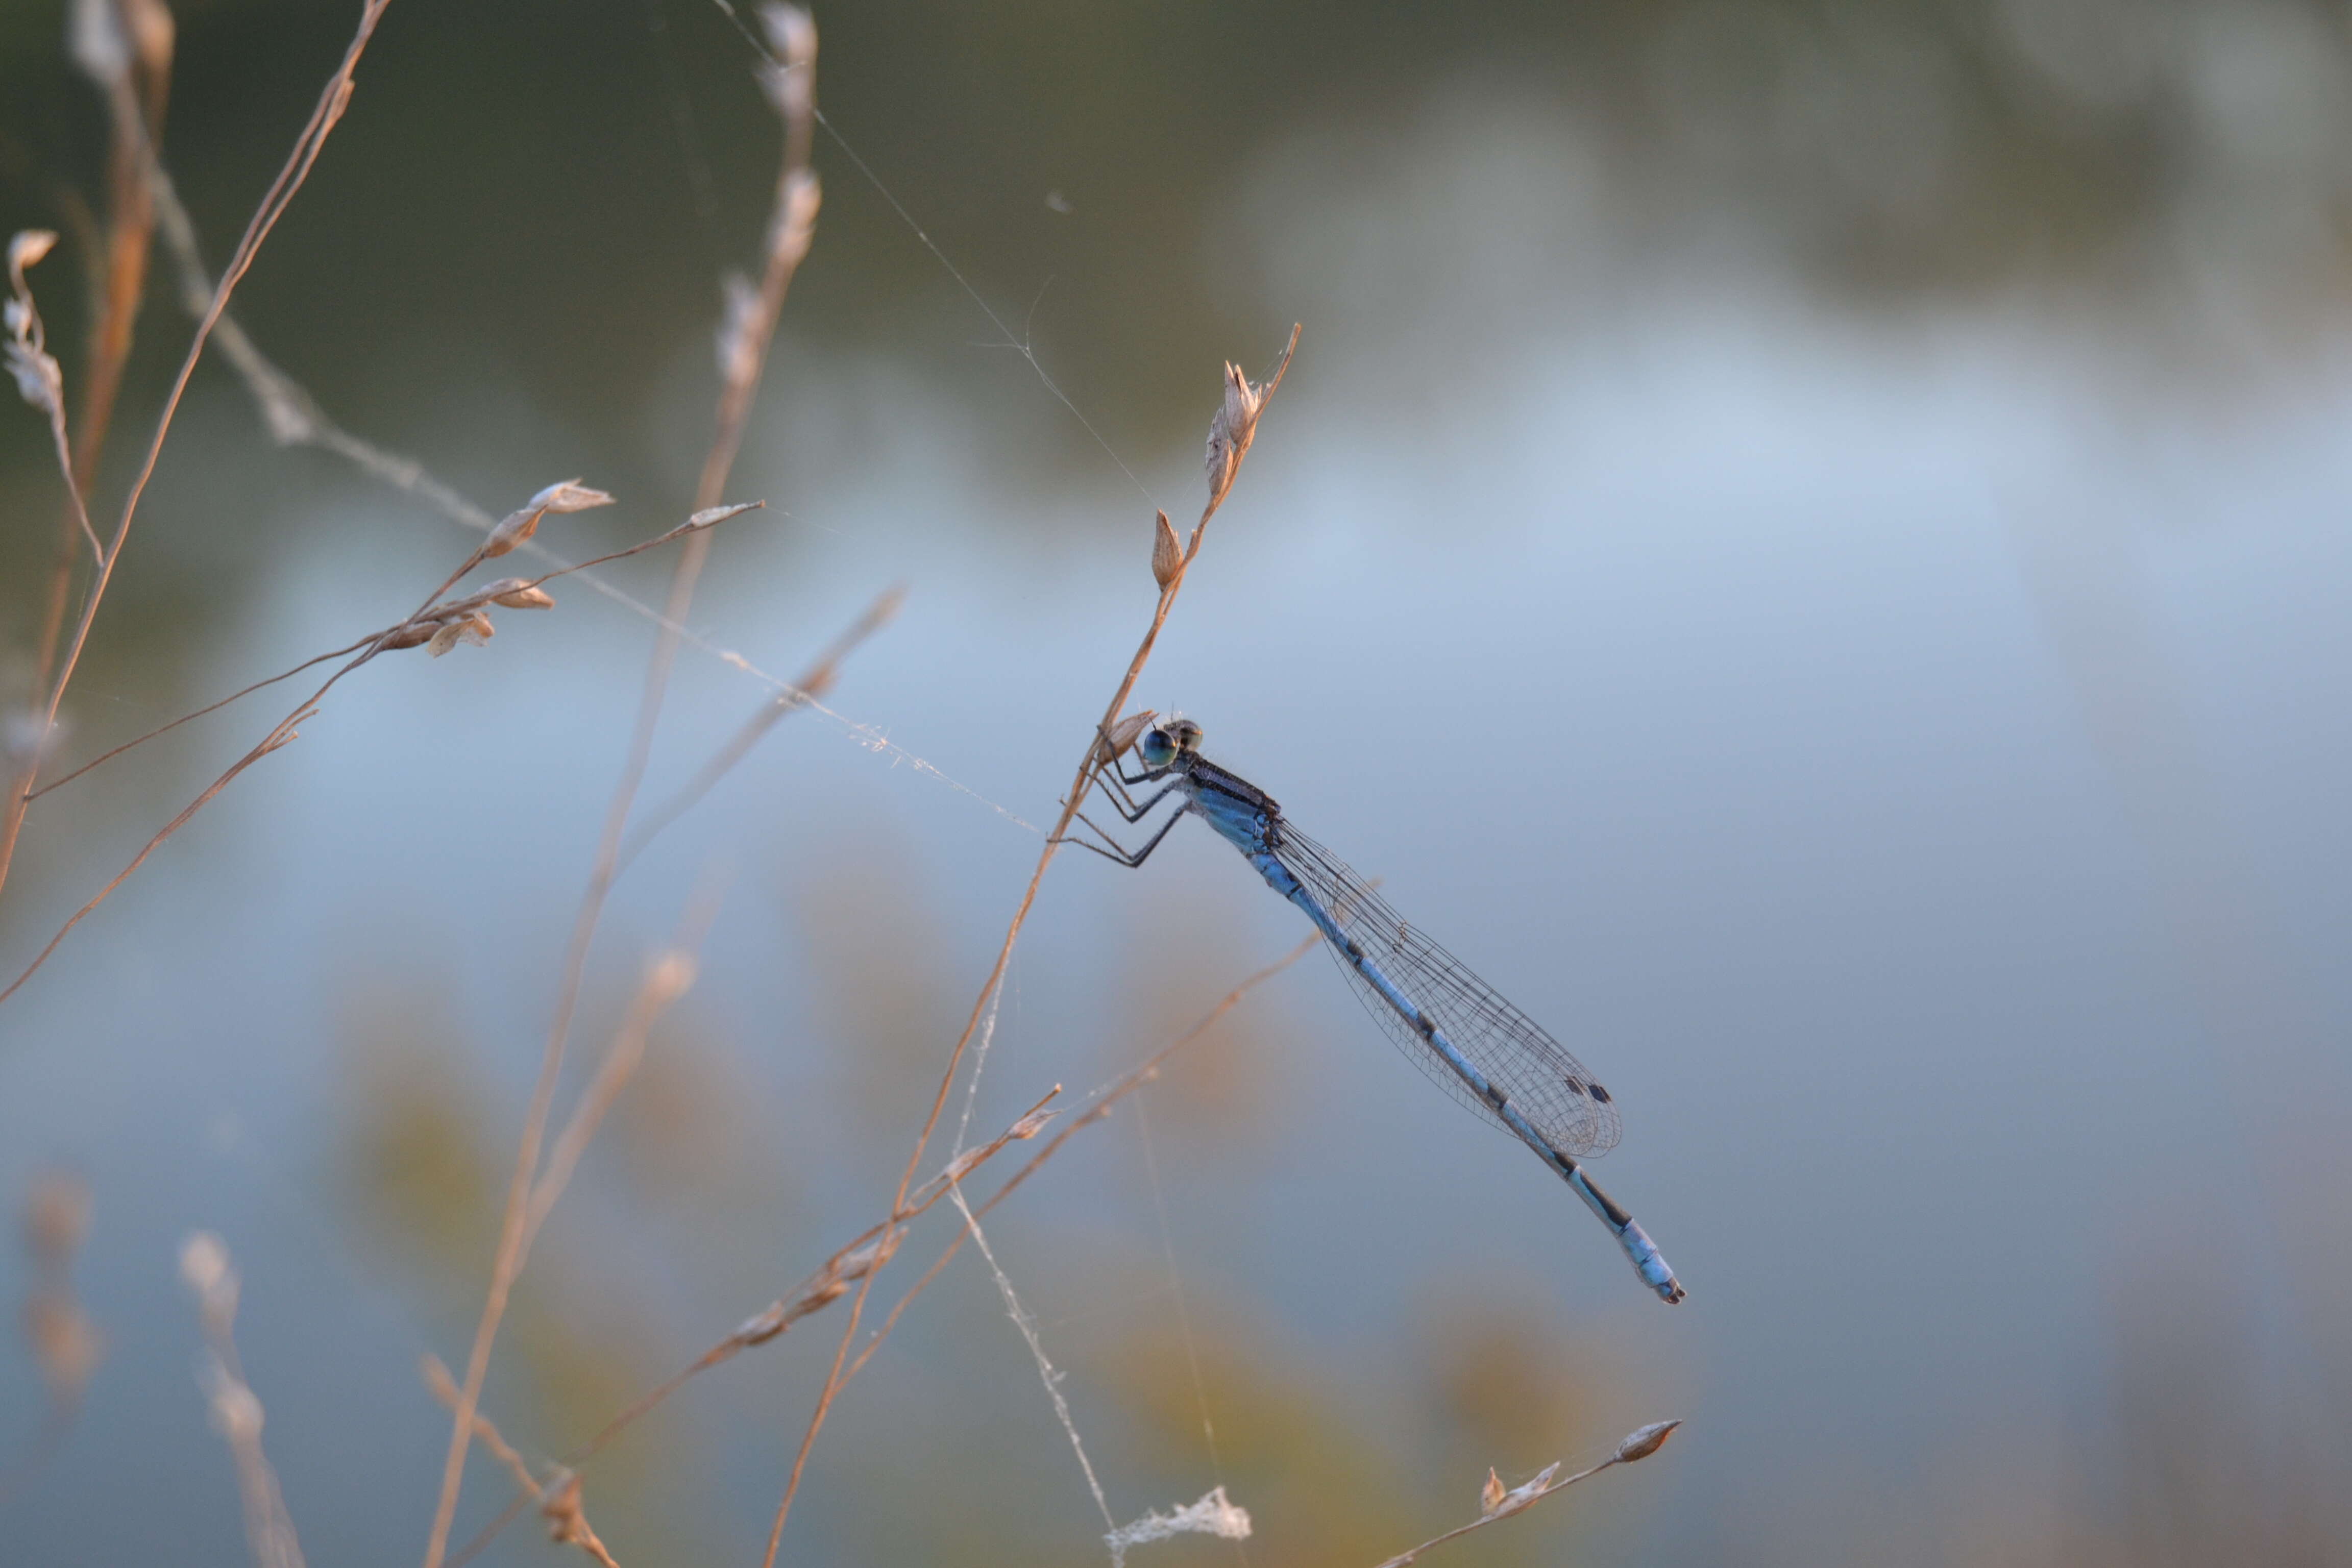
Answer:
x=1164 y=742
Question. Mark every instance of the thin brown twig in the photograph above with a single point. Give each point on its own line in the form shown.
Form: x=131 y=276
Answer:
x=867 y=1252
x=823 y=1287
x=742 y=360
x=286 y=730
x=667 y=978
x=1230 y=436
x=332 y=100
x=1498 y=1504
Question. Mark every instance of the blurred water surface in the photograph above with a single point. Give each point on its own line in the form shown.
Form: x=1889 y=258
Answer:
x=1807 y=547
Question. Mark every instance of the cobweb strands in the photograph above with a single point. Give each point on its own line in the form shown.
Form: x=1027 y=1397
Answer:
x=1215 y=1514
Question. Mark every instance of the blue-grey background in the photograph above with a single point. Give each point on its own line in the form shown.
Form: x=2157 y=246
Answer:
x=1804 y=541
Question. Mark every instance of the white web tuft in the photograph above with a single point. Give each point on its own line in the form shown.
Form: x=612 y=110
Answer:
x=1215 y=1514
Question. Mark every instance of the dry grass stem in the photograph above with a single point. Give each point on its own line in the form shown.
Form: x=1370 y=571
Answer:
x=743 y=351
x=237 y=1412
x=849 y=1265
x=332 y=100
x=1230 y=432
x=1494 y=1503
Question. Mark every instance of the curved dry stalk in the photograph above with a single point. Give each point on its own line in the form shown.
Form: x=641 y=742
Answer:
x=864 y=1253
x=332 y=100
x=1230 y=436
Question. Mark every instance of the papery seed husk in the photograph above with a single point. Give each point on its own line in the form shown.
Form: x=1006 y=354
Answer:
x=569 y=495
x=409 y=636
x=529 y=596
x=1167 y=554
x=29 y=246
x=1644 y=1441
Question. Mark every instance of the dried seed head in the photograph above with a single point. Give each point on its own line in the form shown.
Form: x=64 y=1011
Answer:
x=205 y=1268
x=670 y=976
x=1029 y=1126
x=569 y=495
x=1490 y=1496
x=710 y=515
x=1121 y=735
x=1644 y=1441
x=409 y=636
x=94 y=39
x=522 y=595
x=236 y=1409
x=1167 y=554
x=474 y=627
x=38 y=379
x=67 y=1346
x=565 y=495
x=1230 y=432
x=794 y=224
x=152 y=35
x=57 y=1217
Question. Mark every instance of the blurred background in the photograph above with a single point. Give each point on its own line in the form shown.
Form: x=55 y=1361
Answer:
x=1804 y=539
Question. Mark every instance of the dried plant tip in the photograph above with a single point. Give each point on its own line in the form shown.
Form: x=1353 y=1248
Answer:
x=566 y=1524
x=57 y=1217
x=710 y=515
x=1230 y=432
x=525 y=596
x=670 y=976
x=1121 y=735
x=153 y=34
x=94 y=39
x=569 y=495
x=761 y=1327
x=565 y=495
x=474 y=628
x=1490 y=1496
x=38 y=379
x=28 y=246
x=236 y=1409
x=1029 y=1126
x=1524 y=1494
x=792 y=34
x=67 y=1346
x=1167 y=554
x=205 y=1266
x=1644 y=1441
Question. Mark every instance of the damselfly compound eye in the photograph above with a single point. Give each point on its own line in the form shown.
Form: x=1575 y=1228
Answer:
x=1158 y=747
x=1187 y=735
